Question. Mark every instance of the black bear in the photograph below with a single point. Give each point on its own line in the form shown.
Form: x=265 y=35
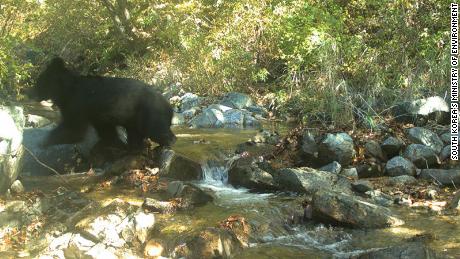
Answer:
x=104 y=103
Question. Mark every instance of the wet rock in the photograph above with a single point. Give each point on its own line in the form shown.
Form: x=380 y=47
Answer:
x=237 y=100
x=333 y=167
x=175 y=166
x=254 y=149
x=425 y=137
x=62 y=158
x=369 y=170
x=399 y=166
x=11 y=149
x=178 y=119
x=392 y=146
x=351 y=173
x=402 y=180
x=337 y=147
x=421 y=155
x=373 y=149
x=189 y=101
x=445 y=153
x=190 y=195
x=433 y=107
x=250 y=176
x=209 y=118
x=233 y=118
x=442 y=176
x=308 y=180
x=348 y=210
x=17 y=187
x=362 y=186
x=410 y=250
x=213 y=243
x=36 y=121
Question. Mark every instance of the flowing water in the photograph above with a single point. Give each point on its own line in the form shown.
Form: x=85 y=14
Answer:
x=269 y=213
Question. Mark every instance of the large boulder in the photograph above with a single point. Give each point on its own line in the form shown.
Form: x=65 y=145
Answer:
x=391 y=146
x=399 y=166
x=308 y=180
x=237 y=100
x=175 y=166
x=11 y=150
x=209 y=118
x=189 y=101
x=430 y=108
x=349 y=210
x=421 y=155
x=62 y=158
x=249 y=175
x=233 y=118
x=373 y=150
x=425 y=137
x=337 y=147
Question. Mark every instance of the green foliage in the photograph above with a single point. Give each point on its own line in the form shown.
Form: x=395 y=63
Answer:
x=316 y=56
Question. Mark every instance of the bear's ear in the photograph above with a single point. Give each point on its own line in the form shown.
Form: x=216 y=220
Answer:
x=57 y=63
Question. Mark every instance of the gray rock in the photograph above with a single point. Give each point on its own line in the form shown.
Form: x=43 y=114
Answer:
x=154 y=205
x=11 y=149
x=421 y=155
x=209 y=118
x=373 y=149
x=308 y=180
x=101 y=251
x=233 y=118
x=442 y=176
x=333 y=167
x=425 y=137
x=349 y=210
x=392 y=146
x=409 y=250
x=399 y=166
x=337 y=147
x=143 y=223
x=445 y=153
x=250 y=176
x=362 y=186
x=220 y=107
x=189 y=101
x=350 y=173
x=191 y=196
x=237 y=100
x=78 y=245
x=256 y=109
x=175 y=166
x=433 y=107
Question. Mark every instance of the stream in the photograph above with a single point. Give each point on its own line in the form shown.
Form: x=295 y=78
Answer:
x=272 y=236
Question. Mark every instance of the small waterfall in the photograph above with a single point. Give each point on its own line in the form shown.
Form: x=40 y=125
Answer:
x=216 y=172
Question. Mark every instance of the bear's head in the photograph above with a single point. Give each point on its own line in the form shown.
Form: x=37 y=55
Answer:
x=50 y=82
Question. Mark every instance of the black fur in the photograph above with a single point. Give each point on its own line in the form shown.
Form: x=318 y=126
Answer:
x=104 y=103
